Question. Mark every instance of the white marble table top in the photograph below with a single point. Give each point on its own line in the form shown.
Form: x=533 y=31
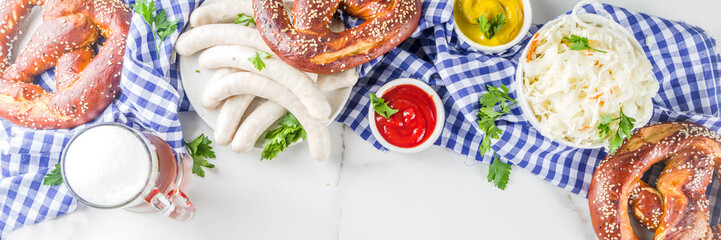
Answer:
x=362 y=193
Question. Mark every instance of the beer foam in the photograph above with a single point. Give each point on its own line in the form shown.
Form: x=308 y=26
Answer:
x=107 y=165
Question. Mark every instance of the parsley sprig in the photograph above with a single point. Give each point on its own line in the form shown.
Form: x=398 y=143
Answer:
x=488 y=115
x=200 y=150
x=53 y=178
x=625 y=125
x=580 y=43
x=498 y=172
x=257 y=60
x=290 y=131
x=245 y=20
x=159 y=21
x=381 y=106
x=489 y=27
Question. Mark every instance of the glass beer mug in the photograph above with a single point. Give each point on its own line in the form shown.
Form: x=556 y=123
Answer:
x=113 y=166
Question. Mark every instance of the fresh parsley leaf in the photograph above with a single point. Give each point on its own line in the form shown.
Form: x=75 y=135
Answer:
x=145 y=9
x=625 y=125
x=165 y=28
x=381 y=106
x=53 y=178
x=489 y=27
x=497 y=23
x=257 y=60
x=491 y=132
x=483 y=24
x=580 y=43
x=245 y=20
x=289 y=121
x=487 y=114
x=290 y=131
x=198 y=165
x=498 y=173
x=606 y=119
x=200 y=150
x=616 y=142
x=159 y=22
x=604 y=125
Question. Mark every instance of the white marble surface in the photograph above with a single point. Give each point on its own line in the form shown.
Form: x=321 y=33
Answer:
x=362 y=193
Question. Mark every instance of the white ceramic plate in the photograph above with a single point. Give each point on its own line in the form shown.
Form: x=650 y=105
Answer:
x=195 y=78
x=194 y=82
x=520 y=91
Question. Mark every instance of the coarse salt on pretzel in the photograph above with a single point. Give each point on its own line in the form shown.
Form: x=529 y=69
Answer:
x=690 y=152
x=85 y=85
x=310 y=45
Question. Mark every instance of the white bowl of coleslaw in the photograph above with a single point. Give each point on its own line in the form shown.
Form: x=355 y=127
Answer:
x=564 y=92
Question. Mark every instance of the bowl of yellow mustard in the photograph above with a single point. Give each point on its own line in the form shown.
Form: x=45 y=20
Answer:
x=491 y=26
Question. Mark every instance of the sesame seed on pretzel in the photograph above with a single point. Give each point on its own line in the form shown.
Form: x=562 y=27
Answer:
x=690 y=152
x=85 y=83
x=310 y=45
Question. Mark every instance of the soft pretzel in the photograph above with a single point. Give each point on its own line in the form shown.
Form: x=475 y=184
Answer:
x=85 y=84
x=646 y=204
x=690 y=151
x=310 y=45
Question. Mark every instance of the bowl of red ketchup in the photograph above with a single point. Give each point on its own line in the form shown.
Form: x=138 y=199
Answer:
x=418 y=122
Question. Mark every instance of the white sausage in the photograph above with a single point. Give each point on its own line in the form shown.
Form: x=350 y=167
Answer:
x=231 y=113
x=256 y=125
x=220 y=73
x=229 y=117
x=328 y=83
x=237 y=57
x=222 y=12
x=248 y=83
x=210 y=35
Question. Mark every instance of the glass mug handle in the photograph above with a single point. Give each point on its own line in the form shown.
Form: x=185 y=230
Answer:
x=174 y=204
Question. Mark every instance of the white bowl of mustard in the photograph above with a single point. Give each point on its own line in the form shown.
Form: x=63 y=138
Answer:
x=517 y=15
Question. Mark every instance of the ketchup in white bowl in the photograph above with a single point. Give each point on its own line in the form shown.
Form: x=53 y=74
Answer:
x=418 y=121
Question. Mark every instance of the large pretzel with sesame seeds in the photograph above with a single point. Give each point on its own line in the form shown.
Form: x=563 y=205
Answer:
x=690 y=151
x=310 y=45
x=85 y=84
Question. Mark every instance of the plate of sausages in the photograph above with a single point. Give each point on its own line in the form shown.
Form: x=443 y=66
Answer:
x=240 y=100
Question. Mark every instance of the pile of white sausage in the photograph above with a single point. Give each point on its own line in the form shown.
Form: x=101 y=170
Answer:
x=236 y=82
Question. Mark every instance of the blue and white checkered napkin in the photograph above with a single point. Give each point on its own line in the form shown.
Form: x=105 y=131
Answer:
x=150 y=99
x=685 y=63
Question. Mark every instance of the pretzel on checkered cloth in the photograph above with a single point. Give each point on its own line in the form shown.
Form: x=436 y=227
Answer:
x=691 y=153
x=85 y=84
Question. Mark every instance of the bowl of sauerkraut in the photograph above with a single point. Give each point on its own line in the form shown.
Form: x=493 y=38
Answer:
x=579 y=68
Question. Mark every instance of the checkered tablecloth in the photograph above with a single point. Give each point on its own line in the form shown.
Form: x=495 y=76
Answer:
x=685 y=63
x=150 y=100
